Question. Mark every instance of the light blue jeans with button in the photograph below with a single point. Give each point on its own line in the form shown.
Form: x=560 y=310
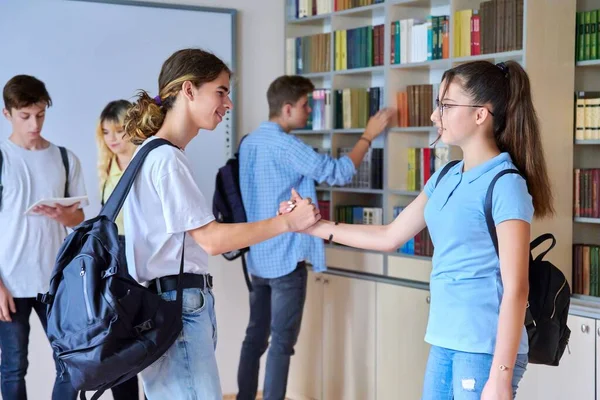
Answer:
x=188 y=370
x=456 y=375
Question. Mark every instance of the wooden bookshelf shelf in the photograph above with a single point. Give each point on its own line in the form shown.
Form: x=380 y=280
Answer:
x=311 y=132
x=589 y=63
x=349 y=130
x=410 y=193
x=584 y=220
x=360 y=71
x=356 y=190
x=433 y=64
x=587 y=142
x=409 y=129
x=516 y=55
x=317 y=75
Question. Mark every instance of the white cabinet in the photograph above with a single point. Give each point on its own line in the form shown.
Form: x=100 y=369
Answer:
x=359 y=340
x=306 y=368
x=335 y=354
x=575 y=377
x=402 y=314
x=349 y=338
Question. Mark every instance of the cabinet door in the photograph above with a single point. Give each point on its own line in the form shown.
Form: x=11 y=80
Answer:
x=575 y=377
x=349 y=339
x=402 y=353
x=306 y=368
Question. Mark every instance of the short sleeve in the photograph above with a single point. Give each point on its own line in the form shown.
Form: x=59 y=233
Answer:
x=184 y=206
x=76 y=182
x=511 y=199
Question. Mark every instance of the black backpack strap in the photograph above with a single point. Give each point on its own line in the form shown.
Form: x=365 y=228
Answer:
x=489 y=219
x=1 y=187
x=445 y=170
x=541 y=239
x=117 y=197
x=246 y=275
x=65 y=159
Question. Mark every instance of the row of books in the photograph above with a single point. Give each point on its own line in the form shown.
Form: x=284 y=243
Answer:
x=422 y=163
x=369 y=174
x=320 y=103
x=416 y=104
x=341 y=5
x=355 y=106
x=497 y=26
x=587 y=35
x=308 y=54
x=586 y=269
x=587 y=193
x=420 y=245
x=297 y=9
x=359 y=47
x=355 y=214
x=587 y=115
x=415 y=40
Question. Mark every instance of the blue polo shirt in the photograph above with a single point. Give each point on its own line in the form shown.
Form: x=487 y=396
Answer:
x=466 y=287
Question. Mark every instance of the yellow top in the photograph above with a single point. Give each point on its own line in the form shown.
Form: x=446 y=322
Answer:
x=114 y=175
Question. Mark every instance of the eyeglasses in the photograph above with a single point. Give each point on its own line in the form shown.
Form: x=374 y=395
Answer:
x=442 y=107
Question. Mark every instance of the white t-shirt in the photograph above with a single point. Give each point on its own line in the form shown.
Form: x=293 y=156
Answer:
x=30 y=243
x=164 y=202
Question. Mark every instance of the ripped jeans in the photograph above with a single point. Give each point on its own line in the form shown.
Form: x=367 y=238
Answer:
x=462 y=376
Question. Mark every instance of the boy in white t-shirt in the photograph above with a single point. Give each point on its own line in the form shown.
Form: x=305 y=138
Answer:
x=32 y=169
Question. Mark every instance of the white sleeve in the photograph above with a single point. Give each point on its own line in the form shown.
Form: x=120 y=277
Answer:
x=76 y=182
x=184 y=206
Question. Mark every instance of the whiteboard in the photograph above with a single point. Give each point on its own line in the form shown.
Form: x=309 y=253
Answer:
x=89 y=52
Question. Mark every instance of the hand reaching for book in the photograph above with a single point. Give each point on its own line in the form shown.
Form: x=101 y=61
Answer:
x=378 y=123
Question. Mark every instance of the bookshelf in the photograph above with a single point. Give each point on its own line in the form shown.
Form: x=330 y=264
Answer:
x=586 y=154
x=541 y=45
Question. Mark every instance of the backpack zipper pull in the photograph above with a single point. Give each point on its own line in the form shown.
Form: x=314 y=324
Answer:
x=82 y=272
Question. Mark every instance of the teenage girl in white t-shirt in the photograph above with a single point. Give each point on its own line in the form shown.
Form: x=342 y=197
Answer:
x=165 y=202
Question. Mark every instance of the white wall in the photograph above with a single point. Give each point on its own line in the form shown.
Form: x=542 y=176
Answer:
x=260 y=59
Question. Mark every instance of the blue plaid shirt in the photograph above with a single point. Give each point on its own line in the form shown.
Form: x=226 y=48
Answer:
x=273 y=162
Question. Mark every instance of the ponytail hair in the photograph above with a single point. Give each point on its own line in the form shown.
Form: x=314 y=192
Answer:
x=147 y=114
x=506 y=87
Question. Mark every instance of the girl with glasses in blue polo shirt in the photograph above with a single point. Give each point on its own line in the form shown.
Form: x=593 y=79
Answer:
x=478 y=300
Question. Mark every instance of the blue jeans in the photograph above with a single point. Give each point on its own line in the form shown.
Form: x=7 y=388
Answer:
x=14 y=340
x=188 y=370
x=276 y=307
x=457 y=375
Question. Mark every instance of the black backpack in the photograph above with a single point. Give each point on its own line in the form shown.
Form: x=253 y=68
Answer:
x=103 y=326
x=65 y=160
x=228 y=207
x=549 y=292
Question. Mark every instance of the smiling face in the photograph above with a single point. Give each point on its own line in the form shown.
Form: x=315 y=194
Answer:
x=209 y=102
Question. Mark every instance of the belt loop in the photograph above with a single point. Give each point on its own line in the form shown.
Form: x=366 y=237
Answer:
x=205 y=282
x=158 y=287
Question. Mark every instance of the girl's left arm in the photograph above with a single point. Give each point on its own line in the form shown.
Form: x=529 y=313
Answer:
x=513 y=246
